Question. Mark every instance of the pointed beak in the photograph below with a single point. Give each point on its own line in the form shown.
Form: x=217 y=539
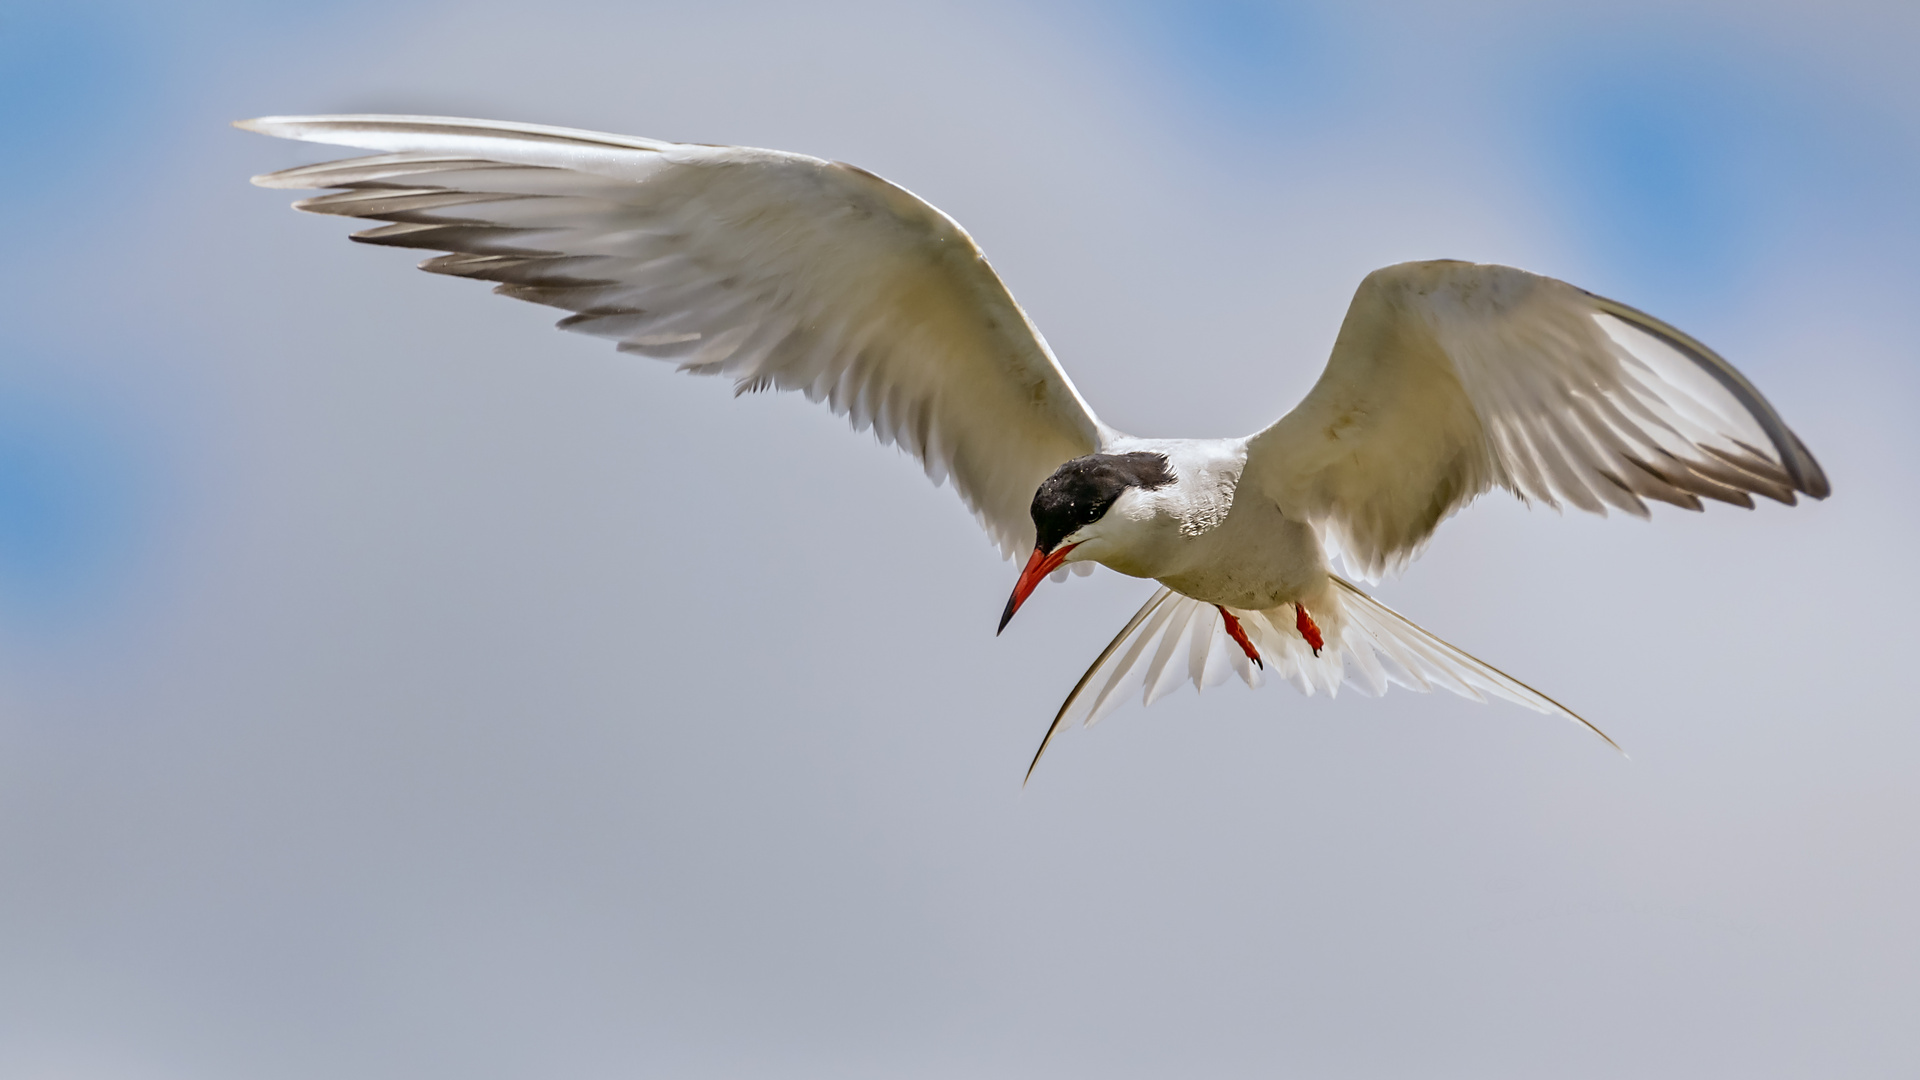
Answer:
x=1039 y=565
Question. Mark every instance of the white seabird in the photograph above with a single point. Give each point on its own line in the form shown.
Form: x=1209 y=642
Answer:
x=782 y=271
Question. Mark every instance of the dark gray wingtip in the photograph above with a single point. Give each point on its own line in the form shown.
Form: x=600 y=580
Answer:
x=1814 y=479
x=1805 y=473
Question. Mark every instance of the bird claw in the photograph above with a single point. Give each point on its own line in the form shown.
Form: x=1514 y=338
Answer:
x=1304 y=623
x=1239 y=636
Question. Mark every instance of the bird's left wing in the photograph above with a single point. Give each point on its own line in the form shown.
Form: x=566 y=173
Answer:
x=1449 y=378
x=778 y=270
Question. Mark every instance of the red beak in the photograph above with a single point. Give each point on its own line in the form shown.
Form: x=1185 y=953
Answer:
x=1039 y=565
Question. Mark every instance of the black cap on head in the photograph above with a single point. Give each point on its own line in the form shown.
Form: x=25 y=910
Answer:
x=1084 y=489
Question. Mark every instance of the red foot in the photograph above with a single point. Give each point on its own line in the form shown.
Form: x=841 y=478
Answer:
x=1240 y=636
x=1304 y=623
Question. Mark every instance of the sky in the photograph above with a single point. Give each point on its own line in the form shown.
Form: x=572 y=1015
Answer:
x=393 y=687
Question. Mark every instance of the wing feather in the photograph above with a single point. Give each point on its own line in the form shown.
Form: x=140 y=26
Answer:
x=1450 y=378
x=778 y=270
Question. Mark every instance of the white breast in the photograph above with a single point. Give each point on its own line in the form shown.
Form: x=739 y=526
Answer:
x=1196 y=537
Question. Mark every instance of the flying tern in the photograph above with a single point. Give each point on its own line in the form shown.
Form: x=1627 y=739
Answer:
x=782 y=271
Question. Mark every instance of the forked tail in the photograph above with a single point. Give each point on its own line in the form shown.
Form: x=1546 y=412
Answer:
x=1174 y=639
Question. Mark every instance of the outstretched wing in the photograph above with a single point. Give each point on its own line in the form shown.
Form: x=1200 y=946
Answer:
x=1449 y=378
x=777 y=270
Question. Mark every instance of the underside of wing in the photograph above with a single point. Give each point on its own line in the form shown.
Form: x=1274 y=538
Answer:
x=1450 y=378
x=776 y=270
x=1175 y=639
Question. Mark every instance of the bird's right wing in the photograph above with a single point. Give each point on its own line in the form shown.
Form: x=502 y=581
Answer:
x=1449 y=378
x=777 y=270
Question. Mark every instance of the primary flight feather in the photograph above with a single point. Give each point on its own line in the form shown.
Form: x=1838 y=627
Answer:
x=788 y=272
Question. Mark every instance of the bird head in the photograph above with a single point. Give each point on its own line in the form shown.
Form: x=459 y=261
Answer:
x=1073 y=508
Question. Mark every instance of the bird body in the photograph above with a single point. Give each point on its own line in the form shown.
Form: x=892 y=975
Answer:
x=782 y=271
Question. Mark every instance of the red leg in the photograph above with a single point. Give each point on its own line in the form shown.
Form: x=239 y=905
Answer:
x=1304 y=623
x=1240 y=636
